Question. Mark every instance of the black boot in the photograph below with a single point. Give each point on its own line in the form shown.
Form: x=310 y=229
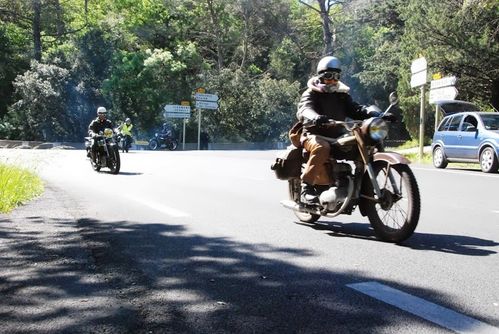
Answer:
x=308 y=194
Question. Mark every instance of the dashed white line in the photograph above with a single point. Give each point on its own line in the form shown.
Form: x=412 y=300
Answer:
x=161 y=208
x=432 y=312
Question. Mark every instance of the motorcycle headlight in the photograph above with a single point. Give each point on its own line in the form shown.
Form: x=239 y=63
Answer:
x=378 y=130
x=108 y=133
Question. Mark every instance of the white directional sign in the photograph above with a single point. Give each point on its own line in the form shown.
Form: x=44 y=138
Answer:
x=418 y=79
x=418 y=65
x=444 y=93
x=206 y=105
x=176 y=111
x=443 y=89
x=206 y=97
x=444 y=82
x=418 y=71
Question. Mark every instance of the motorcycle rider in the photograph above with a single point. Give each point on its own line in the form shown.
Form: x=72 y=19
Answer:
x=126 y=131
x=97 y=126
x=326 y=98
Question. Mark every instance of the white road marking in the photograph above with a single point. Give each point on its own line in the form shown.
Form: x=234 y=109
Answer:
x=161 y=208
x=495 y=211
x=455 y=171
x=429 y=311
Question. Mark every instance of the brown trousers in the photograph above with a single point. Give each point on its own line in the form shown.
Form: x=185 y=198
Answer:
x=316 y=172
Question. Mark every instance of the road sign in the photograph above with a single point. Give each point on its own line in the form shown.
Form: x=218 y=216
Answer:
x=206 y=105
x=206 y=97
x=443 y=82
x=418 y=65
x=176 y=115
x=418 y=79
x=176 y=108
x=176 y=111
x=444 y=93
x=418 y=71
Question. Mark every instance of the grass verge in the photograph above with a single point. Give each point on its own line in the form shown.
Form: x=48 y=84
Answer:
x=17 y=186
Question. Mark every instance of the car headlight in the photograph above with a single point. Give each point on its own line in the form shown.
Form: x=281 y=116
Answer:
x=378 y=130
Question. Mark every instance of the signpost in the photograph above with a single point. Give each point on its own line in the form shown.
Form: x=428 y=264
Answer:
x=204 y=101
x=442 y=89
x=418 y=79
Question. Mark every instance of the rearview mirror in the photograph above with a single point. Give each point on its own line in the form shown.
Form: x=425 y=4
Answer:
x=393 y=98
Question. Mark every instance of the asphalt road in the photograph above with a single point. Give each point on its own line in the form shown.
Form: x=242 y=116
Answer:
x=197 y=242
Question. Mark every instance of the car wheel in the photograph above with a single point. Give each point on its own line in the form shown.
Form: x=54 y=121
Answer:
x=488 y=161
x=439 y=160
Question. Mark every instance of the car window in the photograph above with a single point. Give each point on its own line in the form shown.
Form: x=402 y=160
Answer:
x=468 y=122
x=444 y=124
x=454 y=123
x=491 y=122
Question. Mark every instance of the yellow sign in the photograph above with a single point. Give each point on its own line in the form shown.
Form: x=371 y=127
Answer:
x=201 y=90
x=185 y=103
x=437 y=76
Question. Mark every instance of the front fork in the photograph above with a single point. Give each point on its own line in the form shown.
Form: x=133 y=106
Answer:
x=365 y=158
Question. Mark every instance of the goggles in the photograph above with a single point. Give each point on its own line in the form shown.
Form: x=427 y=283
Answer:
x=330 y=76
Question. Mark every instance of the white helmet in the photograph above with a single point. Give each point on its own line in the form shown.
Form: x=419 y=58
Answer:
x=101 y=111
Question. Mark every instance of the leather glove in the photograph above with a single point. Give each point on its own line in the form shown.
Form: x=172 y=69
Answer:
x=320 y=120
x=389 y=117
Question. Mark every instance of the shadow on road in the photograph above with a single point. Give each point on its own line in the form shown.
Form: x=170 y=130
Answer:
x=126 y=277
x=446 y=243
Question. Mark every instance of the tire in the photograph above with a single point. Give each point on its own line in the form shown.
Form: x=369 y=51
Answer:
x=95 y=166
x=439 y=160
x=294 y=194
x=396 y=217
x=153 y=144
x=114 y=163
x=488 y=161
x=172 y=146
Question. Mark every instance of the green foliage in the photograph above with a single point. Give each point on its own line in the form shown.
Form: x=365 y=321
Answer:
x=40 y=113
x=136 y=56
x=17 y=186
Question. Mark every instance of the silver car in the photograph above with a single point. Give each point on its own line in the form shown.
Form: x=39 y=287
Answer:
x=467 y=137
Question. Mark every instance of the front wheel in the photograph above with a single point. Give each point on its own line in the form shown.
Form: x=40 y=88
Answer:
x=114 y=162
x=294 y=194
x=488 y=161
x=395 y=217
x=153 y=144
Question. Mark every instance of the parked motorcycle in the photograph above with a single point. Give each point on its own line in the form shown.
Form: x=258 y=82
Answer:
x=108 y=154
x=163 y=140
x=124 y=141
x=380 y=183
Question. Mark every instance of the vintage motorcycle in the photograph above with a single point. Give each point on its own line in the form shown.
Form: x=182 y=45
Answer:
x=163 y=139
x=380 y=183
x=108 y=154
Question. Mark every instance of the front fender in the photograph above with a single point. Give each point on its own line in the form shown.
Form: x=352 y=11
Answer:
x=393 y=158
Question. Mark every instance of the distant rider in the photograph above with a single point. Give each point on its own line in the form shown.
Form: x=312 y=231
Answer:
x=126 y=131
x=97 y=127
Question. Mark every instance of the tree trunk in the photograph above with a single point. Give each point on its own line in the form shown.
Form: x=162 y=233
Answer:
x=60 y=19
x=327 y=35
x=217 y=33
x=37 y=39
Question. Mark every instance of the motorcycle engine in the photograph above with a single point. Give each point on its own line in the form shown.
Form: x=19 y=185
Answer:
x=332 y=198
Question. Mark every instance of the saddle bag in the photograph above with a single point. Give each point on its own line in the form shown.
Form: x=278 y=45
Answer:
x=288 y=163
